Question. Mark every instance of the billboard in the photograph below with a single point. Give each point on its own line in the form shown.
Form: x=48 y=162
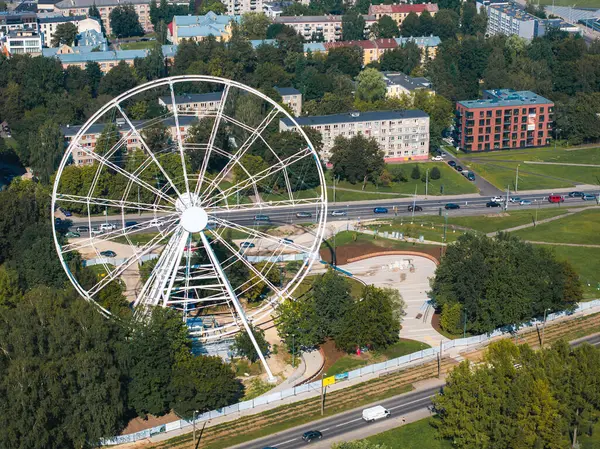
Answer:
x=531 y=119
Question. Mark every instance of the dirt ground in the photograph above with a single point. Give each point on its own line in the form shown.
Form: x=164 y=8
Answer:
x=332 y=354
x=343 y=253
x=137 y=424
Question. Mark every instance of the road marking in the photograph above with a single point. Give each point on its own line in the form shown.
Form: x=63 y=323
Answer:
x=348 y=422
x=412 y=402
x=286 y=442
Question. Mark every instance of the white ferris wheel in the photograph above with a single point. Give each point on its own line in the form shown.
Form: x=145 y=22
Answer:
x=183 y=193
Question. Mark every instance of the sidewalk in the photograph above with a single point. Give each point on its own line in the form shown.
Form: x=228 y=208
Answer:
x=310 y=364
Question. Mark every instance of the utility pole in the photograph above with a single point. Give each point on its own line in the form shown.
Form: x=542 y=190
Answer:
x=543 y=328
x=194 y=425
x=322 y=395
x=440 y=361
x=293 y=350
x=465 y=325
x=426 y=181
x=517 y=179
x=412 y=218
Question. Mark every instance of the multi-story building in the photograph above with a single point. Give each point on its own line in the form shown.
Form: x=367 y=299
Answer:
x=508 y=19
x=89 y=139
x=275 y=9
x=193 y=104
x=399 y=84
x=292 y=98
x=402 y=135
x=14 y=21
x=503 y=119
x=427 y=44
x=81 y=7
x=329 y=26
x=22 y=42
x=48 y=22
x=399 y=12
x=197 y=28
x=239 y=7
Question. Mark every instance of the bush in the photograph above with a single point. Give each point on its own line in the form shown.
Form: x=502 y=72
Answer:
x=435 y=173
x=416 y=172
x=451 y=319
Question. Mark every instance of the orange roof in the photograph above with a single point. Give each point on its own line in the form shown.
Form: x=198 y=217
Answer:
x=362 y=44
x=403 y=8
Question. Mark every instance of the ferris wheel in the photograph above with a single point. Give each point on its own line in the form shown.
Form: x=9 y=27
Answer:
x=183 y=193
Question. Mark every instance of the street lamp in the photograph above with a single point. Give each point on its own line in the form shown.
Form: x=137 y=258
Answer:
x=517 y=179
x=293 y=350
x=194 y=425
x=543 y=328
x=556 y=133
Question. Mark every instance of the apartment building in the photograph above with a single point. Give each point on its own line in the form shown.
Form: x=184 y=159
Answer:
x=399 y=84
x=275 y=9
x=292 y=98
x=329 y=26
x=48 y=22
x=22 y=42
x=239 y=7
x=15 y=21
x=402 y=135
x=504 y=119
x=427 y=44
x=193 y=104
x=197 y=28
x=89 y=139
x=400 y=11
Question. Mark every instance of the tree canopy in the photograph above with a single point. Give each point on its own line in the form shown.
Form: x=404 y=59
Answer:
x=357 y=159
x=65 y=33
x=124 y=21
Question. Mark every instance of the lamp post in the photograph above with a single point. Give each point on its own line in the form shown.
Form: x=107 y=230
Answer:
x=293 y=350
x=517 y=179
x=556 y=133
x=543 y=328
x=465 y=325
x=194 y=425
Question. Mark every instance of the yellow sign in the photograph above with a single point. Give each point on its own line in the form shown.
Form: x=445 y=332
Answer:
x=328 y=381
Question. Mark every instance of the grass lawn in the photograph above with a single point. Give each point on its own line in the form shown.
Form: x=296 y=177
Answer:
x=139 y=45
x=140 y=238
x=418 y=435
x=579 y=228
x=403 y=347
x=425 y=228
x=586 y=262
x=352 y=238
x=502 y=174
x=583 y=156
x=355 y=286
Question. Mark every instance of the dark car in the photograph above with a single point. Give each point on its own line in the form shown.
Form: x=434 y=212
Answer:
x=452 y=163
x=261 y=218
x=82 y=229
x=588 y=197
x=67 y=213
x=492 y=204
x=452 y=206
x=458 y=168
x=576 y=194
x=108 y=254
x=312 y=435
x=471 y=176
x=380 y=210
x=304 y=215
x=129 y=224
x=415 y=208
x=247 y=245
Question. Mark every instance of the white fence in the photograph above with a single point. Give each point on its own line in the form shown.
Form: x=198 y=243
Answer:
x=116 y=261
x=398 y=362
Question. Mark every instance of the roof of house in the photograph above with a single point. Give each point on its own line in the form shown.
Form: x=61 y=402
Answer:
x=97 y=128
x=287 y=91
x=85 y=54
x=193 y=98
x=258 y=42
x=356 y=117
x=60 y=19
x=207 y=19
x=423 y=41
x=316 y=19
x=504 y=98
x=362 y=44
x=403 y=8
x=408 y=82
x=67 y=4
x=512 y=11
x=92 y=38
x=314 y=47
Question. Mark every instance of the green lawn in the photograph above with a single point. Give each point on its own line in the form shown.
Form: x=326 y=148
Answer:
x=347 y=363
x=306 y=284
x=139 y=45
x=586 y=262
x=582 y=228
x=403 y=347
x=583 y=156
x=502 y=174
x=356 y=238
x=418 y=435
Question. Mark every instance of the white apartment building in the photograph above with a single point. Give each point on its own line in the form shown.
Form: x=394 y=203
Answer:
x=23 y=42
x=238 y=7
x=292 y=98
x=193 y=104
x=50 y=21
x=402 y=135
x=329 y=26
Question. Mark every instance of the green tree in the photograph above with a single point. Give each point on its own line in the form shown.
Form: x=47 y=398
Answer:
x=124 y=21
x=385 y=27
x=118 y=80
x=47 y=148
x=200 y=134
x=348 y=60
x=435 y=173
x=10 y=293
x=215 y=6
x=411 y=25
x=353 y=26
x=244 y=347
x=426 y=25
x=416 y=172
x=332 y=301
x=357 y=159
x=65 y=33
x=451 y=318
x=157 y=137
x=108 y=138
x=371 y=85
x=446 y=23
x=404 y=59
x=254 y=25
x=93 y=75
x=297 y=323
x=473 y=22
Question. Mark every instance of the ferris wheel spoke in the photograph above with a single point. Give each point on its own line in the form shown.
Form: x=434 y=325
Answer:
x=264 y=174
x=255 y=134
x=264 y=206
x=148 y=150
x=179 y=138
x=125 y=173
x=106 y=202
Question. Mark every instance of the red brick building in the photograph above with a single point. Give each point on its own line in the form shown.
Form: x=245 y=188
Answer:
x=503 y=119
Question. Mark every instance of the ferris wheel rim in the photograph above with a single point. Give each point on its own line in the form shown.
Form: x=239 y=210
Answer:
x=266 y=308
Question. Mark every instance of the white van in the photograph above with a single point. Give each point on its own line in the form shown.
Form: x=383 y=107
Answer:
x=375 y=413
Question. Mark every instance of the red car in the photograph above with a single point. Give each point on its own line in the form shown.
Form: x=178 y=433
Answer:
x=555 y=199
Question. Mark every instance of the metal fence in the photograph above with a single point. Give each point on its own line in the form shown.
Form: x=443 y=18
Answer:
x=116 y=261
x=398 y=362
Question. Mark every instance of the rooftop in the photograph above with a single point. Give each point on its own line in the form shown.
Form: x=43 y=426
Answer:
x=305 y=19
x=97 y=128
x=258 y=42
x=513 y=11
x=59 y=19
x=287 y=91
x=423 y=41
x=193 y=98
x=314 y=47
x=408 y=82
x=505 y=98
x=66 y=4
x=356 y=117
x=402 y=8
x=209 y=18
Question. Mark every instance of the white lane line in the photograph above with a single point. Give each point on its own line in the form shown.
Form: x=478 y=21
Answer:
x=412 y=402
x=286 y=442
x=348 y=422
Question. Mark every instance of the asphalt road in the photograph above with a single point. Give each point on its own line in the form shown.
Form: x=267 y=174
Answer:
x=352 y=420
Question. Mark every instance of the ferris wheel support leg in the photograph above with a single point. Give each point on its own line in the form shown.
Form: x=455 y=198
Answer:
x=235 y=302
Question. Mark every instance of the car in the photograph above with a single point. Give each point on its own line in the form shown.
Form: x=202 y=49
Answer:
x=525 y=203
x=515 y=199
x=303 y=215
x=72 y=235
x=312 y=435
x=437 y=158
x=155 y=223
x=338 y=213
x=287 y=241
x=452 y=163
x=57 y=221
x=458 y=168
x=492 y=204
x=380 y=210
x=107 y=227
x=96 y=231
x=588 y=197
x=130 y=224
x=576 y=194
x=108 y=253
x=414 y=208
x=82 y=229
x=261 y=218
x=374 y=413
x=452 y=206
x=471 y=176
x=247 y=245
x=67 y=213
x=555 y=199
x=497 y=199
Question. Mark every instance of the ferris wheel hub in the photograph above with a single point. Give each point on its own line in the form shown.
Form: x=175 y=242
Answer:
x=194 y=219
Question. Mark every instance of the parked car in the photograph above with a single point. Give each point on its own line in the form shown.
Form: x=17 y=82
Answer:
x=108 y=253
x=67 y=213
x=497 y=199
x=525 y=203
x=458 y=168
x=155 y=223
x=96 y=231
x=287 y=240
x=576 y=194
x=380 y=210
x=304 y=215
x=437 y=158
x=338 y=213
x=515 y=199
x=82 y=229
x=312 y=435
x=416 y=208
x=452 y=163
x=492 y=204
x=247 y=245
x=374 y=413
x=588 y=197
x=452 y=206
x=262 y=218
x=555 y=199
x=72 y=235
x=107 y=227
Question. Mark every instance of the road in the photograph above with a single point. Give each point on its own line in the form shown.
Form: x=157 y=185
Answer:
x=352 y=421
